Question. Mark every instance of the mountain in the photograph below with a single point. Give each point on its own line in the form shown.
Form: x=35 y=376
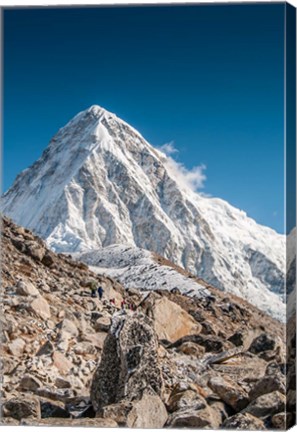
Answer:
x=99 y=183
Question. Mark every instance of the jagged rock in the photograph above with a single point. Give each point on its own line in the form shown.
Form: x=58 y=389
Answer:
x=261 y=343
x=17 y=346
x=282 y=420
x=30 y=382
x=148 y=412
x=118 y=412
x=102 y=324
x=48 y=259
x=268 y=404
x=21 y=407
x=46 y=349
x=83 y=422
x=243 y=421
x=62 y=383
x=172 y=322
x=267 y=384
x=230 y=392
x=26 y=288
x=129 y=362
x=210 y=343
x=41 y=308
x=187 y=398
x=51 y=409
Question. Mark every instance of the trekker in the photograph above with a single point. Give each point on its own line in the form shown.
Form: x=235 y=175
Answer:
x=100 y=292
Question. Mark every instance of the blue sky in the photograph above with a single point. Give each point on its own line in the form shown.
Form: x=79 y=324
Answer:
x=209 y=78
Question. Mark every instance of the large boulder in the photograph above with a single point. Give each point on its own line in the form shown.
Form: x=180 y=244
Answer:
x=268 y=404
x=230 y=392
x=243 y=422
x=261 y=343
x=172 y=322
x=129 y=362
x=41 y=308
x=26 y=288
x=21 y=407
x=267 y=384
x=148 y=412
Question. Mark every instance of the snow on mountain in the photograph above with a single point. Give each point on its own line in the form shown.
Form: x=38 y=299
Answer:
x=136 y=268
x=99 y=183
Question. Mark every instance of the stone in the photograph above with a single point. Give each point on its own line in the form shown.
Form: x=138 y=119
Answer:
x=62 y=383
x=268 y=404
x=62 y=363
x=190 y=348
x=48 y=259
x=129 y=362
x=283 y=420
x=230 y=392
x=267 y=384
x=51 y=409
x=26 y=288
x=102 y=324
x=41 y=308
x=21 y=407
x=69 y=327
x=46 y=349
x=35 y=250
x=30 y=383
x=243 y=422
x=68 y=422
x=261 y=343
x=180 y=399
x=118 y=412
x=97 y=339
x=148 y=412
x=16 y=347
x=237 y=338
x=171 y=322
x=84 y=348
x=191 y=418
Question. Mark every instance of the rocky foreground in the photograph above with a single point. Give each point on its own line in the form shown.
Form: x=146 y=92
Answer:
x=167 y=361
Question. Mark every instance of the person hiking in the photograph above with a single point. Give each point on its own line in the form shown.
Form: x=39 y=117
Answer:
x=100 y=292
x=93 y=287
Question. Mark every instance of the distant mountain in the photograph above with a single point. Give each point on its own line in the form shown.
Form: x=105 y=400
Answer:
x=100 y=183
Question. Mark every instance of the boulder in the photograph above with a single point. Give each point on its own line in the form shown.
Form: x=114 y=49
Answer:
x=117 y=412
x=268 y=404
x=83 y=348
x=148 y=412
x=102 y=324
x=283 y=420
x=16 y=347
x=261 y=343
x=61 y=363
x=243 y=422
x=51 y=409
x=46 y=349
x=21 y=407
x=230 y=392
x=30 y=383
x=237 y=338
x=35 y=250
x=48 y=259
x=192 y=418
x=41 y=308
x=267 y=384
x=97 y=339
x=172 y=322
x=26 y=288
x=190 y=348
x=69 y=327
x=129 y=362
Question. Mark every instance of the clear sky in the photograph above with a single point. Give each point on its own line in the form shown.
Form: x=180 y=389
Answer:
x=209 y=78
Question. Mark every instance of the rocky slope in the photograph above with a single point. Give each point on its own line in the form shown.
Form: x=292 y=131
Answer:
x=169 y=361
x=100 y=183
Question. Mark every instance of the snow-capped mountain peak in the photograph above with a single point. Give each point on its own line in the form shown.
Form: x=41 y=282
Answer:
x=99 y=183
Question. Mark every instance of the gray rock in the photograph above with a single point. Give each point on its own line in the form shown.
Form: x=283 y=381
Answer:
x=243 y=422
x=148 y=412
x=261 y=343
x=21 y=407
x=129 y=362
x=267 y=384
x=30 y=382
x=26 y=288
x=268 y=404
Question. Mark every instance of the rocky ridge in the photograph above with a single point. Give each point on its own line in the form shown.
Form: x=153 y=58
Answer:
x=70 y=359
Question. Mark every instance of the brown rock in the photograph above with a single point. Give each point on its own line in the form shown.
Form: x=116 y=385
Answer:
x=261 y=343
x=26 y=288
x=172 y=322
x=35 y=250
x=16 y=347
x=102 y=324
x=41 y=308
x=148 y=412
x=192 y=418
x=21 y=407
x=230 y=392
x=267 y=384
x=61 y=363
x=243 y=422
x=30 y=382
x=96 y=339
x=282 y=420
x=268 y=404
x=190 y=348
